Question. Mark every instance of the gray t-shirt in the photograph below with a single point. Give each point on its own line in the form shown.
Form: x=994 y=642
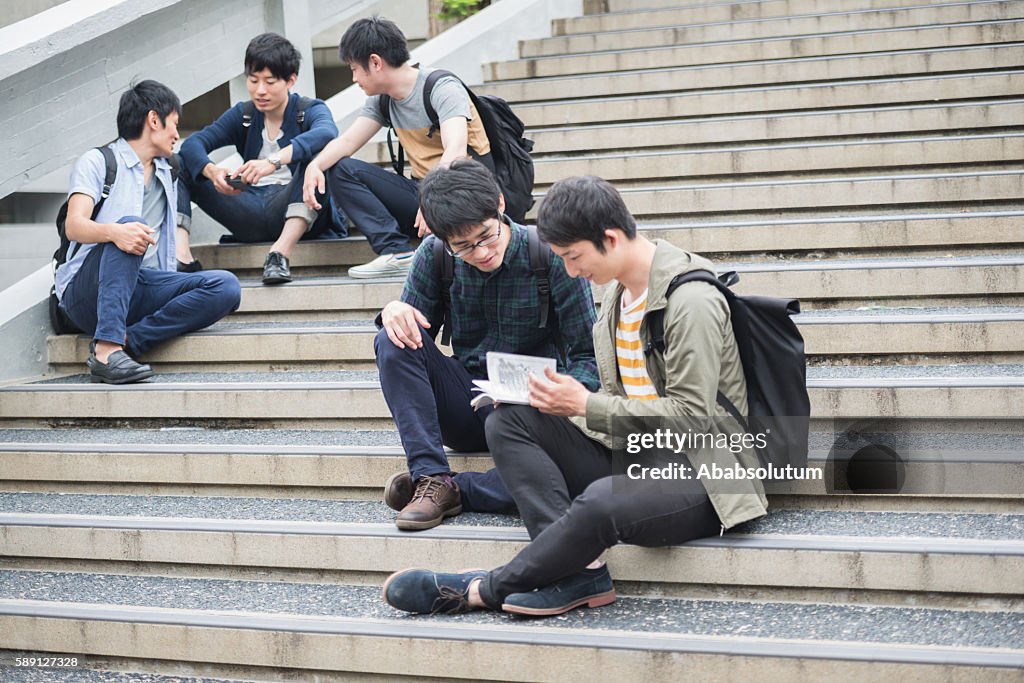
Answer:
x=154 y=208
x=411 y=123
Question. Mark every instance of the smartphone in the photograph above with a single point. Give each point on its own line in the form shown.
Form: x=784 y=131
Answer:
x=237 y=183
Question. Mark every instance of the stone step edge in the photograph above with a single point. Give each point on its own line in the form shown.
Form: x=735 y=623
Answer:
x=764 y=39
x=501 y=634
x=736 y=541
x=981 y=381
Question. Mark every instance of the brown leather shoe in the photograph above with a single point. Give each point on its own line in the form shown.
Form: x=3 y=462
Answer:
x=398 y=491
x=434 y=499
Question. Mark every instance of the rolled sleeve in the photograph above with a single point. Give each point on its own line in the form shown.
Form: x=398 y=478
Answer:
x=87 y=175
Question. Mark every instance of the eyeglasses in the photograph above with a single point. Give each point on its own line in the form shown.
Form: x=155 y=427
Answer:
x=485 y=242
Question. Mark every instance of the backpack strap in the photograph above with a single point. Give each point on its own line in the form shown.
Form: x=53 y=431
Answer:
x=109 y=176
x=444 y=269
x=248 y=112
x=397 y=160
x=428 y=89
x=656 y=322
x=540 y=264
x=303 y=104
x=175 y=162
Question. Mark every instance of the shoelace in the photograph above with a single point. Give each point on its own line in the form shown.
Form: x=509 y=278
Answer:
x=446 y=595
x=428 y=487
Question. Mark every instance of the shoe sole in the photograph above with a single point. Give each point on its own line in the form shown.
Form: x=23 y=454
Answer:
x=368 y=276
x=406 y=525
x=391 y=498
x=599 y=600
x=138 y=377
x=276 y=280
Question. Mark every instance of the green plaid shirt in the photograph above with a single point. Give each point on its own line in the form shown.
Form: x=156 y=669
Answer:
x=499 y=311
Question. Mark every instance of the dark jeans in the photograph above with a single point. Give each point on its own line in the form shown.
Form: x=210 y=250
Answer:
x=116 y=300
x=381 y=204
x=256 y=215
x=546 y=463
x=428 y=394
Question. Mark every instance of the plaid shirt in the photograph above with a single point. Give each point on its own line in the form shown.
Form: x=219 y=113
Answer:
x=499 y=311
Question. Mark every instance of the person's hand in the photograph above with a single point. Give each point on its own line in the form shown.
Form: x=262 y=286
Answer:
x=561 y=395
x=402 y=323
x=312 y=183
x=422 y=229
x=131 y=238
x=253 y=170
x=218 y=176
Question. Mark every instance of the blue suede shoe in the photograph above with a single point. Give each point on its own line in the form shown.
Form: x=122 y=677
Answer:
x=422 y=591
x=590 y=587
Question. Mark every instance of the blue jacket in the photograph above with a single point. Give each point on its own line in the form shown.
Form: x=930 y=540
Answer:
x=229 y=131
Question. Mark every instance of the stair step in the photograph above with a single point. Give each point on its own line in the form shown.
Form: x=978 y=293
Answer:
x=326 y=628
x=735 y=162
x=353 y=399
x=857 y=20
x=915 y=552
x=869 y=92
x=975 y=470
x=891 y=189
x=837 y=283
x=769 y=72
x=624 y=14
x=860 y=42
x=896 y=234
x=342 y=346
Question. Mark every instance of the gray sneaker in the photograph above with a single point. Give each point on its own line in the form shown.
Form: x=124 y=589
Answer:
x=384 y=265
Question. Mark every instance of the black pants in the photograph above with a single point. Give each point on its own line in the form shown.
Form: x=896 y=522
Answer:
x=574 y=507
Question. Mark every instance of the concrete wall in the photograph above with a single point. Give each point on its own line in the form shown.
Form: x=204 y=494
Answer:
x=16 y=10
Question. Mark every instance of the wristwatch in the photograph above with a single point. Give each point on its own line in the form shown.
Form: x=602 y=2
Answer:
x=275 y=159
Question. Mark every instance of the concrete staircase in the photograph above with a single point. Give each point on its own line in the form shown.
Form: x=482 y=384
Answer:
x=223 y=521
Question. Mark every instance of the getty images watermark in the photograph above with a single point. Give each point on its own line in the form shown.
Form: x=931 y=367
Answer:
x=663 y=441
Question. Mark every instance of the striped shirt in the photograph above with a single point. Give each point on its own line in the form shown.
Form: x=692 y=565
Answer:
x=630 y=351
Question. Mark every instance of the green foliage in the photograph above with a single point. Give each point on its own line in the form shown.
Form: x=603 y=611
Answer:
x=460 y=9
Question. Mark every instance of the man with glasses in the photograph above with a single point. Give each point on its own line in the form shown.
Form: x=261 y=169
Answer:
x=495 y=306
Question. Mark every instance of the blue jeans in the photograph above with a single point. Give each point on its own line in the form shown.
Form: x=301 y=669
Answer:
x=428 y=394
x=256 y=215
x=116 y=300
x=380 y=203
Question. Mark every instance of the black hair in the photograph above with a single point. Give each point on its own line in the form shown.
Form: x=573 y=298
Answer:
x=582 y=208
x=456 y=199
x=140 y=99
x=273 y=52
x=374 y=36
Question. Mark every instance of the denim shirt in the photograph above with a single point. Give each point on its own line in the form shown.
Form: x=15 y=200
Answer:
x=125 y=200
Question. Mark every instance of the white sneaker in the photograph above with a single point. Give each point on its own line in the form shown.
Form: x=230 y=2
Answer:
x=383 y=266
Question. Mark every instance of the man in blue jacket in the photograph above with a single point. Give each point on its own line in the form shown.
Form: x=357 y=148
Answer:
x=277 y=133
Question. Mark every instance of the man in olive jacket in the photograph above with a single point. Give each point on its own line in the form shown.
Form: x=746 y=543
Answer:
x=555 y=455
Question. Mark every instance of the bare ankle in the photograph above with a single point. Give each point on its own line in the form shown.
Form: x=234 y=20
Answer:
x=473 y=597
x=104 y=349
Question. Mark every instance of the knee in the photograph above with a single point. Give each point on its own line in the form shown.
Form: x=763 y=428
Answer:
x=385 y=350
x=503 y=425
x=225 y=287
x=597 y=504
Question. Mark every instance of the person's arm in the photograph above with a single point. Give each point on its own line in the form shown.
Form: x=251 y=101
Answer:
x=300 y=148
x=345 y=145
x=454 y=138
x=226 y=131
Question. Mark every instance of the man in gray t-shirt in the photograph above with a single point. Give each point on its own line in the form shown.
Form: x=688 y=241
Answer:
x=383 y=205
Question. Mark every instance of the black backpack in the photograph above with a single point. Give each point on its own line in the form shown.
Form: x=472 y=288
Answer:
x=510 y=151
x=59 y=321
x=540 y=263
x=249 y=111
x=772 y=352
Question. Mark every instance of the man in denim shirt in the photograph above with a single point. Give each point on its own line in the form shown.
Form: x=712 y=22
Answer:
x=121 y=284
x=494 y=307
x=276 y=147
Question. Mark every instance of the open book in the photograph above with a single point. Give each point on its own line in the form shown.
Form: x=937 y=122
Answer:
x=507 y=375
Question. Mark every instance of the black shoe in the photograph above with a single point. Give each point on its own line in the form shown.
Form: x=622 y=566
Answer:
x=193 y=266
x=590 y=587
x=120 y=368
x=275 y=269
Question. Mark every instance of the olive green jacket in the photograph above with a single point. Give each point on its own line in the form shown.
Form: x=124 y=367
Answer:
x=700 y=359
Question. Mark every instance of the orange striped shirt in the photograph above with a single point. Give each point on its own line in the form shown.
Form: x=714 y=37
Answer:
x=630 y=352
